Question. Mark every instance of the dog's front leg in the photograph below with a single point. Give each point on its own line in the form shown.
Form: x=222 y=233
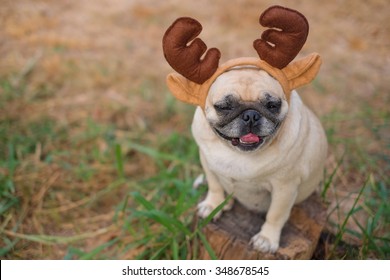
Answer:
x=267 y=240
x=215 y=194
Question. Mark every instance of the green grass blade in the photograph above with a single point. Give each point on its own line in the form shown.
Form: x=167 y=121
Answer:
x=161 y=251
x=330 y=180
x=175 y=249
x=153 y=153
x=206 y=220
x=156 y=216
x=140 y=199
x=8 y=247
x=8 y=201
x=173 y=225
x=94 y=253
x=72 y=251
x=119 y=160
x=207 y=245
x=370 y=238
x=342 y=228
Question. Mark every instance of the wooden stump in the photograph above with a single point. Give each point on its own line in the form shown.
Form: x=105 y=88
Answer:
x=230 y=235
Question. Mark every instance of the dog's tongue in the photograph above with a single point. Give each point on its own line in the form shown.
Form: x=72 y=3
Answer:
x=250 y=138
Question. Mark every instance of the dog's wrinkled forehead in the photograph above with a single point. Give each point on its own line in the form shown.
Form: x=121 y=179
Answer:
x=246 y=84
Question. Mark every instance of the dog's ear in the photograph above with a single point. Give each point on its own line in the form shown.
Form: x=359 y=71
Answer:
x=302 y=71
x=184 y=89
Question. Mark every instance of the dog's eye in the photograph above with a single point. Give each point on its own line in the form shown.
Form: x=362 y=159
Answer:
x=273 y=106
x=223 y=107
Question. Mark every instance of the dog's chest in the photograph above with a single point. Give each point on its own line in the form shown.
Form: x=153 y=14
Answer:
x=250 y=186
x=247 y=188
x=238 y=167
x=242 y=172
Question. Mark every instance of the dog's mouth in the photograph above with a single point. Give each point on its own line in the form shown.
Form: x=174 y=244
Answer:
x=247 y=142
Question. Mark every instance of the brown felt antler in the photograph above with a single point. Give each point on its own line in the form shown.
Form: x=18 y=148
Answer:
x=186 y=59
x=280 y=46
x=277 y=47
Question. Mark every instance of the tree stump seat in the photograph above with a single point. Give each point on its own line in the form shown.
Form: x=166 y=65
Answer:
x=230 y=235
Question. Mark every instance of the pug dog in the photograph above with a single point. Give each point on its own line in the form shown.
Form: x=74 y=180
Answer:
x=269 y=154
x=256 y=138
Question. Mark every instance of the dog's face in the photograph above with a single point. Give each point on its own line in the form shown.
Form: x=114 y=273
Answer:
x=246 y=107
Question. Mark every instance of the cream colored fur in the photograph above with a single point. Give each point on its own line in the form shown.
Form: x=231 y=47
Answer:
x=282 y=172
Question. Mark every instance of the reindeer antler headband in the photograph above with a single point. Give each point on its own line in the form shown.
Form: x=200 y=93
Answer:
x=277 y=47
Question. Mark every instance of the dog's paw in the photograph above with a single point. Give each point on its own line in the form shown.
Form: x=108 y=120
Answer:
x=208 y=205
x=200 y=180
x=229 y=205
x=205 y=208
x=264 y=244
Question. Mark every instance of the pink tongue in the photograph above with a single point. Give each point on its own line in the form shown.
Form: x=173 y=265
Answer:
x=250 y=138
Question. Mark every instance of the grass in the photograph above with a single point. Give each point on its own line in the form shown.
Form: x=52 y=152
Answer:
x=153 y=213
x=372 y=198
x=157 y=211
x=176 y=236
x=373 y=233
x=7 y=187
x=163 y=232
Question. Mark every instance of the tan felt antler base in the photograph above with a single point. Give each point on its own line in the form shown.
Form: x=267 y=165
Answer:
x=230 y=235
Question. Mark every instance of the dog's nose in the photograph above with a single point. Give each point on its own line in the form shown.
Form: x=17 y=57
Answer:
x=251 y=116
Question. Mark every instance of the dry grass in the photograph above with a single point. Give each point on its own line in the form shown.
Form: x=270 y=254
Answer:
x=78 y=79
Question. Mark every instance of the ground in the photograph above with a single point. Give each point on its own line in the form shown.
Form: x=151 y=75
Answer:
x=94 y=149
